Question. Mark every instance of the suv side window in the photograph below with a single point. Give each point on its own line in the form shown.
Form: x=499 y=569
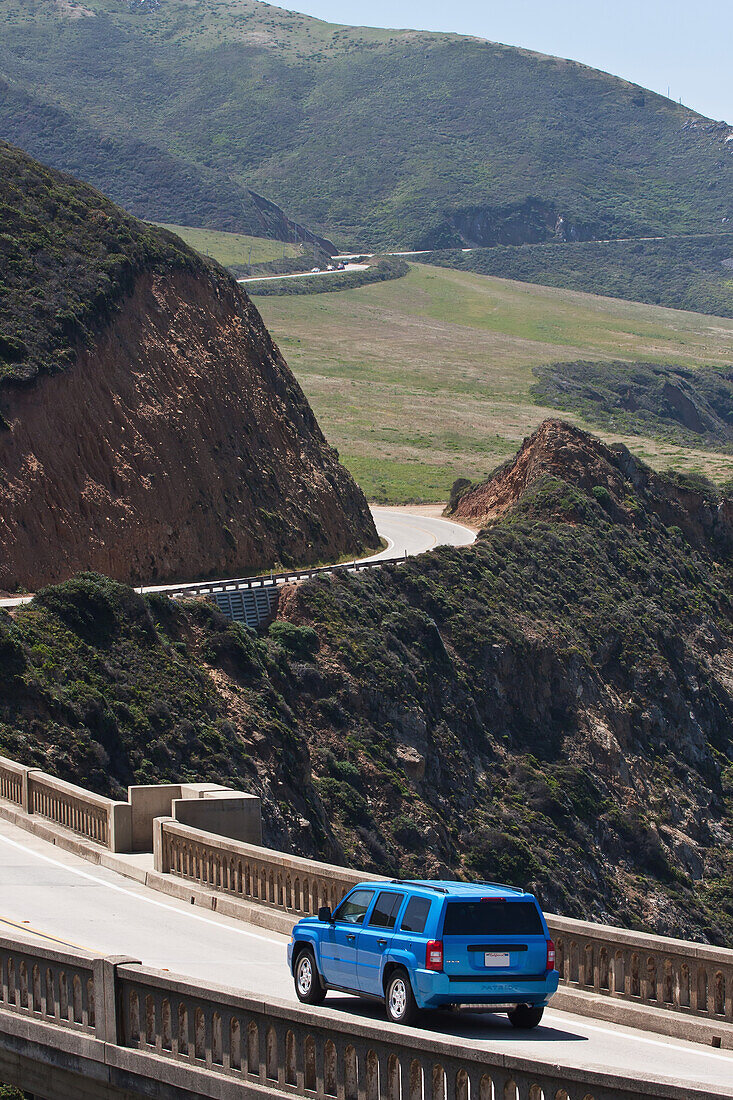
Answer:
x=384 y=913
x=353 y=909
x=416 y=915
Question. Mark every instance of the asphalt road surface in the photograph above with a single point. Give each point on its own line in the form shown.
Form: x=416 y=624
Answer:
x=62 y=900
x=404 y=532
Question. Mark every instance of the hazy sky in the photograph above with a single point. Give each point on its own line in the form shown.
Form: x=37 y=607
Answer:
x=685 y=46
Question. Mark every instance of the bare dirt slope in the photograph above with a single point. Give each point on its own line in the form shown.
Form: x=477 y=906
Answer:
x=155 y=432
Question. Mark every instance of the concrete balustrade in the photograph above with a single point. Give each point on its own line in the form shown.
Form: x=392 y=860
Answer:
x=13 y=783
x=654 y=971
x=128 y=826
x=99 y=819
x=48 y=985
x=126 y=1028
x=248 y=871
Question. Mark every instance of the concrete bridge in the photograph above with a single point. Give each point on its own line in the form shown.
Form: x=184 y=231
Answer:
x=126 y=971
x=254 y=600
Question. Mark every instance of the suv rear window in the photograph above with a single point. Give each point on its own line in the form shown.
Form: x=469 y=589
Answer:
x=416 y=915
x=492 y=918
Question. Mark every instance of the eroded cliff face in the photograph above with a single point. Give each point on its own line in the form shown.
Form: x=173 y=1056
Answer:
x=560 y=450
x=178 y=445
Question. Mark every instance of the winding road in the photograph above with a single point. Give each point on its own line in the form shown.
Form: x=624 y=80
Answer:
x=406 y=534
x=58 y=899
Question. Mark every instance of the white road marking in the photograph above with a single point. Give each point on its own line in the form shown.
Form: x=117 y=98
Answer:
x=692 y=1048
x=139 y=897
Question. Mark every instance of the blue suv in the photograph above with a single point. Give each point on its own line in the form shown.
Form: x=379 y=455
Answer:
x=422 y=945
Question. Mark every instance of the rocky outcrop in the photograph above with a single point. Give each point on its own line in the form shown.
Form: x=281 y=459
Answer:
x=529 y=222
x=560 y=450
x=179 y=445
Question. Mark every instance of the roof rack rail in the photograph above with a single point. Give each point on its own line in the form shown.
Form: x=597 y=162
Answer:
x=500 y=885
x=418 y=882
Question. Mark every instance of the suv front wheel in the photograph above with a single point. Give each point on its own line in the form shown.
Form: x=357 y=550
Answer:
x=399 y=999
x=308 y=985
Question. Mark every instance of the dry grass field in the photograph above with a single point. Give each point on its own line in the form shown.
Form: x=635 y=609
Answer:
x=427 y=378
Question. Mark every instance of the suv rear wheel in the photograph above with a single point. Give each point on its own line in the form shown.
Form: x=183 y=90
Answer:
x=399 y=999
x=525 y=1016
x=308 y=985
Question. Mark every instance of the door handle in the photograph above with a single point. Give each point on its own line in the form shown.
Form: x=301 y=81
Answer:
x=382 y=943
x=350 y=935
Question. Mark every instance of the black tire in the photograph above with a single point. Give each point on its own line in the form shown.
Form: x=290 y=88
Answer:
x=525 y=1016
x=399 y=1000
x=308 y=985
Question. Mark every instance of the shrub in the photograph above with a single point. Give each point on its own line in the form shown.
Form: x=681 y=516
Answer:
x=301 y=641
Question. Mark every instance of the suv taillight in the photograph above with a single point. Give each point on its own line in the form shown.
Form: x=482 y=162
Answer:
x=550 y=963
x=434 y=955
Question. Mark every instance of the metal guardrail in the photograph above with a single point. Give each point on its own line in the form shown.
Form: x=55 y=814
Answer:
x=236 y=584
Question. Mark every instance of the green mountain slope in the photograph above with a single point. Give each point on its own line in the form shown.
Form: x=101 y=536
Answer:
x=693 y=273
x=549 y=707
x=380 y=137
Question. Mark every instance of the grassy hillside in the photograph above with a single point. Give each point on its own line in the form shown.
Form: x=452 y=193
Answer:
x=694 y=273
x=380 y=137
x=447 y=715
x=234 y=249
x=430 y=377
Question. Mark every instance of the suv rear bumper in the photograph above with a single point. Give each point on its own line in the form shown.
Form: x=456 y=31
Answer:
x=433 y=989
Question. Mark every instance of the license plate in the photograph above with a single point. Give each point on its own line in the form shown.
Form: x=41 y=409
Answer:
x=495 y=958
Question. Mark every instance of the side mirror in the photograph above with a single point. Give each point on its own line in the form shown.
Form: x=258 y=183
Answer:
x=325 y=914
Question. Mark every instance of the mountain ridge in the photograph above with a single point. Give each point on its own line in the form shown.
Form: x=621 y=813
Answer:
x=490 y=126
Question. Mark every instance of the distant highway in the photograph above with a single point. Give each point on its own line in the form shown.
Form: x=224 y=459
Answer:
x=65 y=901
x=303 y=274
x=406 y=533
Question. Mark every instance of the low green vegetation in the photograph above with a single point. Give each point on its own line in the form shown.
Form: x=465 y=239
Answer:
x=689 y=407
x=383 y=138
x=694 y=273
x=444 y=716
x=235 y=250
x=69 y=256
x=430 y=377
x=379 y=272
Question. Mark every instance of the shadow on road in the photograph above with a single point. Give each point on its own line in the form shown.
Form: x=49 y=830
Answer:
x=464 y=1025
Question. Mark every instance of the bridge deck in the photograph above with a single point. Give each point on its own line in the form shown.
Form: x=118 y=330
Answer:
x=64 y=899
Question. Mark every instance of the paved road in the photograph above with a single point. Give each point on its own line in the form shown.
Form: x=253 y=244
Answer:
x=404 y=532
x=414 y=533
x=304 y=274
x=64 y=900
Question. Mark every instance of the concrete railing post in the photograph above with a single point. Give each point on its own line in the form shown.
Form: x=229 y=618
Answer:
x=27 y=794
x=107 y=1005
x=120 y=827
x=161 y=851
